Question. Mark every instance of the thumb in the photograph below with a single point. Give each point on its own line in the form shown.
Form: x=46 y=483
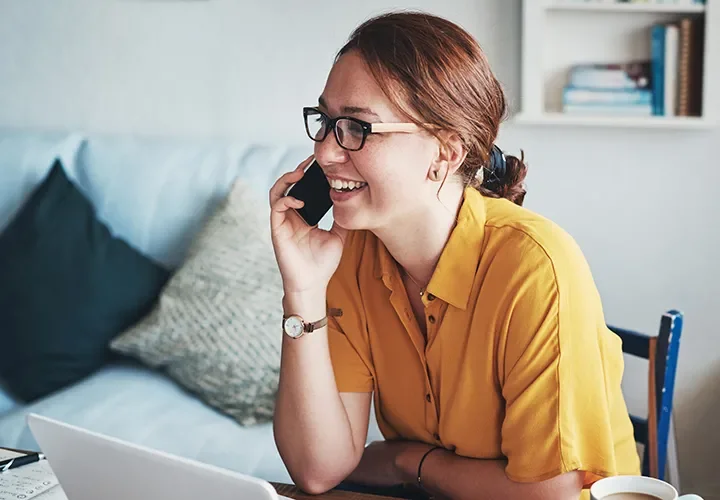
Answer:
x=339 y=231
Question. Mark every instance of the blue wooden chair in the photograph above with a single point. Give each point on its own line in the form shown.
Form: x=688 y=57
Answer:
x=661 y=351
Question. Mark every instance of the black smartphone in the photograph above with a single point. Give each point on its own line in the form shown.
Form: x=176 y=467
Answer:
x=314 y=190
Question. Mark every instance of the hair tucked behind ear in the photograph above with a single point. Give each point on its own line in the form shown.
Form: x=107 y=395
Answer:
x=437 y=74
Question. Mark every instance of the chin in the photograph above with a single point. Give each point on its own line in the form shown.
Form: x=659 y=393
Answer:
x=349 y=220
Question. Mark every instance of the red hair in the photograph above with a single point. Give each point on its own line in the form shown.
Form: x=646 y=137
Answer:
x=436 y=73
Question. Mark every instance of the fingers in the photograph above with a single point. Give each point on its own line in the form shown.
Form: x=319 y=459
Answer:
x=286 y=180
x=277 y=214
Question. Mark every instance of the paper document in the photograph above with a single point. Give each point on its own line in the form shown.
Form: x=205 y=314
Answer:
x=26 y=482
x=56 y=493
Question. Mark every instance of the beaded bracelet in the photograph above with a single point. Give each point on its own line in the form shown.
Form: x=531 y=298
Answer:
x=419 y=479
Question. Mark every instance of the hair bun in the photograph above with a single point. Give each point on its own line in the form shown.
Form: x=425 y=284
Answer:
x=505 y=176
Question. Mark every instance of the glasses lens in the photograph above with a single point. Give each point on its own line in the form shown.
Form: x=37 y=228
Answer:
x=349 y=134
x=315 y=124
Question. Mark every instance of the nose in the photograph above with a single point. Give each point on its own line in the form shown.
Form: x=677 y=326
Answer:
x=329 y=152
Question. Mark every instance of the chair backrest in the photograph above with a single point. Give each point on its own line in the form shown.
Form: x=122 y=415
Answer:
x=661 y=351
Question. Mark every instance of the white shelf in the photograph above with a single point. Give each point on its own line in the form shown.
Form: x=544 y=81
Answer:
x=653 y=122
x=558 y=34
x=629 y=7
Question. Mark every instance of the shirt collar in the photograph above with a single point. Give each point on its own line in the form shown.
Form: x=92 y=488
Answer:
x=454 y=274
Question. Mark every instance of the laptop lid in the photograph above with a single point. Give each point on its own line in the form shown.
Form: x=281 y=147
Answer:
x=90 y=466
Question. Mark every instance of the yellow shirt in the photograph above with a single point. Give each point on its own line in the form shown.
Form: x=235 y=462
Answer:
x=518 y=362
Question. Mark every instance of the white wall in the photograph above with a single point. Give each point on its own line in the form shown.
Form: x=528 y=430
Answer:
x=642 y=204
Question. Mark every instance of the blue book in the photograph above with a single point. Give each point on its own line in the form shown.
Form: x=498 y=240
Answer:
x=657 y=56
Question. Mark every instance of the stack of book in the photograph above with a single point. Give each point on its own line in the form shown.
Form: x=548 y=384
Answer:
x=610 y=89
x=668 y=84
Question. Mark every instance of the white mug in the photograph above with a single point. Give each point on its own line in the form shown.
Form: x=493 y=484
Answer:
x=636 y=484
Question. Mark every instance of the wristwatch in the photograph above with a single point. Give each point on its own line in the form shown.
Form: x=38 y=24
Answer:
x=295 y=327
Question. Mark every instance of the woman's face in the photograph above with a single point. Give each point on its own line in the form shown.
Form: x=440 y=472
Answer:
x=395 y=166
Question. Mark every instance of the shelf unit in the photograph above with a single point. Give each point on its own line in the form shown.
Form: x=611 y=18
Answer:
x=628 y=7
x=651 y=122
x=559 y=33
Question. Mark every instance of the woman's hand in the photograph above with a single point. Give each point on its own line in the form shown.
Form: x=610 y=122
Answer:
x=389 y=463
x=307 y=256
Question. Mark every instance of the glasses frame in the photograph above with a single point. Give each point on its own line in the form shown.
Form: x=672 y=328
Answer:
x=367 y=127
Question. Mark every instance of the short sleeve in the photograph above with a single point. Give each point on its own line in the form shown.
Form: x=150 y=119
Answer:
x=349 y=347
x=351 y=372
x=561 y=373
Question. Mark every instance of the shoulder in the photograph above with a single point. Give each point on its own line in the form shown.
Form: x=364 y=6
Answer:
x=358 y=259
x=359 y=251
x=347 y=285
x=542 y=281
x=531 y=245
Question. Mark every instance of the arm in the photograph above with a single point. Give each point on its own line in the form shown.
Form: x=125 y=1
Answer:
x=450 y=476
x=319 y=432
x=447 y=475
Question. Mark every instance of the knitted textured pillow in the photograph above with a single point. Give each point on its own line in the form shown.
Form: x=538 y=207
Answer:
x=216 y=329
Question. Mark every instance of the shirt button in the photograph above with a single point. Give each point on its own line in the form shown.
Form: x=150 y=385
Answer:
x=431 y=319
x=428 y=398
x=431 y=296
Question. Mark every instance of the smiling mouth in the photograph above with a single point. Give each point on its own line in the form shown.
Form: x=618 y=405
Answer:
x=346 y=186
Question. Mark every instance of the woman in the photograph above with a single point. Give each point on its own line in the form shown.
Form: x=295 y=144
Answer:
x=474 y=322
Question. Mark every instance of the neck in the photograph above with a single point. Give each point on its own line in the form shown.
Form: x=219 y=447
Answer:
x=417 y=241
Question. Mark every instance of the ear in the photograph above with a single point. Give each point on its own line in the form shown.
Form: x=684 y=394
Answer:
x=451 y=155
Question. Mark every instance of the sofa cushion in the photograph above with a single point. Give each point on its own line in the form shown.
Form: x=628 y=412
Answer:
x=127 y=401
x=216 y=327
x=69 y=287
x=157 y=193
x=25 y=159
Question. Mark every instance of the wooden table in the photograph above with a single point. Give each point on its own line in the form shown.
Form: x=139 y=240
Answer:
x=291 y=491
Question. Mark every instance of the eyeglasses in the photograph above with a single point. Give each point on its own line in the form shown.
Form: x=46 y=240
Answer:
x=350 y=133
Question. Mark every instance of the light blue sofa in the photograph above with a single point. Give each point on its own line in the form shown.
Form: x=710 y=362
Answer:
x=154 y=193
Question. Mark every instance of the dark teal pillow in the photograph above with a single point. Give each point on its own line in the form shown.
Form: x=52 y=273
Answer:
x=67 y=287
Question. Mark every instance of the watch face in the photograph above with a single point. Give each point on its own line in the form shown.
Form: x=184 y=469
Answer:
x=294 y=326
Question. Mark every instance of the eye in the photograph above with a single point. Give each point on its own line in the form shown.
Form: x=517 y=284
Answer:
x=354 y=129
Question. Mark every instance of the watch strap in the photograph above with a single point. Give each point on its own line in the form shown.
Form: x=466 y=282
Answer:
x=316 y=325
x=311 y=327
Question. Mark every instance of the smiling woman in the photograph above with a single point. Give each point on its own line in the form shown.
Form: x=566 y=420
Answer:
x=474 y=323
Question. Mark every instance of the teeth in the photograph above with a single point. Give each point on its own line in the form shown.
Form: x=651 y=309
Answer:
x=340 y=184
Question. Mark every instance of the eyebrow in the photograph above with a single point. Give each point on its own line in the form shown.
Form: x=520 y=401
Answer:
x=350 y=109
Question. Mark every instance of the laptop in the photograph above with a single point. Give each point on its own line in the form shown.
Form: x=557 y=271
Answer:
x=92 y=466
